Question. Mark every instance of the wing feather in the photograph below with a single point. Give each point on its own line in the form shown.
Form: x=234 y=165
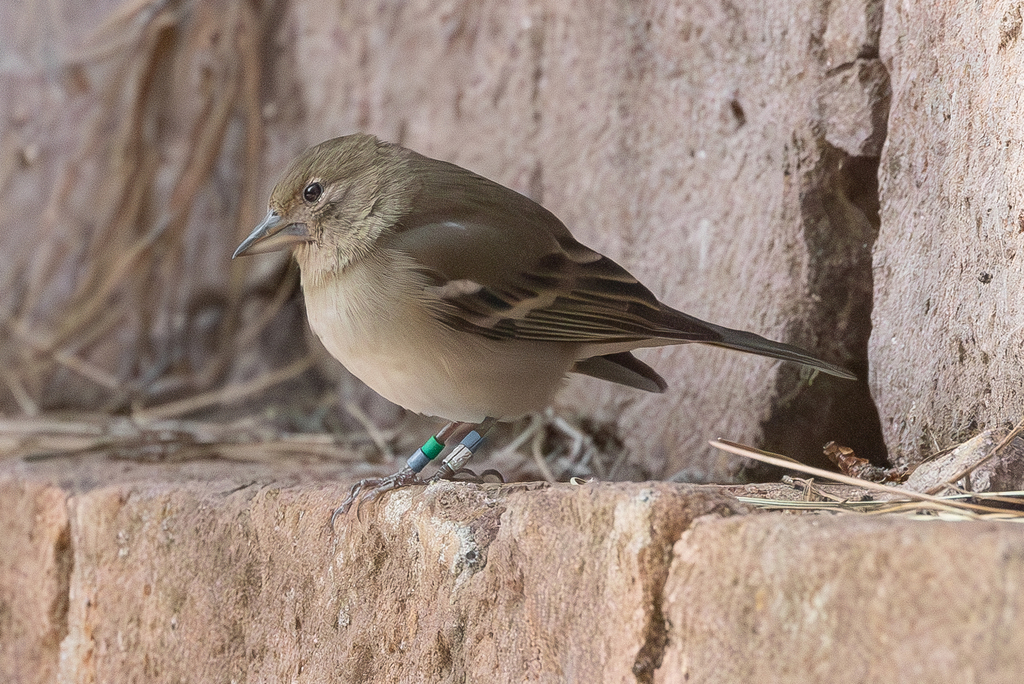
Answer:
x=519 y=273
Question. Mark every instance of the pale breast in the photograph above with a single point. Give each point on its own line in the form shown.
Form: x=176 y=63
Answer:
x=379 y=329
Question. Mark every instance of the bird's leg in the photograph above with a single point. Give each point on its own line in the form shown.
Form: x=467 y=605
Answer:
x=460 y=455
x=370 y=488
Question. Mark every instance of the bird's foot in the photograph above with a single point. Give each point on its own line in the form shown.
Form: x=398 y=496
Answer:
x=369 y=489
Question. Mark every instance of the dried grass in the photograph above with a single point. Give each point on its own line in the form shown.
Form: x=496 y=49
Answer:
x=108 y=305
x=893 y=499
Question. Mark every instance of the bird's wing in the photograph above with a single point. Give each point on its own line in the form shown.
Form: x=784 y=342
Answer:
x=502 y=266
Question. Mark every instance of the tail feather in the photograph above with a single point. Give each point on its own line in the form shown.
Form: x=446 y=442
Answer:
x=741 y=340
x=623 y=368
x=683 y=327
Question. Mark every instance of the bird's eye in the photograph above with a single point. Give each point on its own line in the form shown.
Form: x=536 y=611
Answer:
x=312 y=192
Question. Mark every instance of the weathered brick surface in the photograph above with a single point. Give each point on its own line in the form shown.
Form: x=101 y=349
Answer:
x=35 y=571
x=165 y=579
x=947 y=337
x=221 y=583
x=845 y=599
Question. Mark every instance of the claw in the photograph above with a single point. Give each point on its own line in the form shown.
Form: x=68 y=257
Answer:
x=369 y=489
x=464 y=475
x=467 y=475
x=491 y=472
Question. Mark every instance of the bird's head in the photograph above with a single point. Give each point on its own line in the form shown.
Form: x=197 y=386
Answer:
x=333 y=203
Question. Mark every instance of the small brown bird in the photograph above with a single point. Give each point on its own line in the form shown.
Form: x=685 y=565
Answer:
x=454 y=296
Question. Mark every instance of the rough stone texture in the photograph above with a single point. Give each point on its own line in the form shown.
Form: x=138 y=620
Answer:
x=845 y=599
x=685 y=140
x=947 y=338
x=236 y=580
x=168 y=579
x=987 y=470
x=855 y=101
x=35 y=567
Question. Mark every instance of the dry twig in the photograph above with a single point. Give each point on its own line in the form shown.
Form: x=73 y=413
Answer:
x=918 y=500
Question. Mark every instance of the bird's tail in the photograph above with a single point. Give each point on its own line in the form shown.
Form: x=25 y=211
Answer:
x=741 y=340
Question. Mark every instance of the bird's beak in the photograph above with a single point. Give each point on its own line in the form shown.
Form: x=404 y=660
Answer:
x=273 y=234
